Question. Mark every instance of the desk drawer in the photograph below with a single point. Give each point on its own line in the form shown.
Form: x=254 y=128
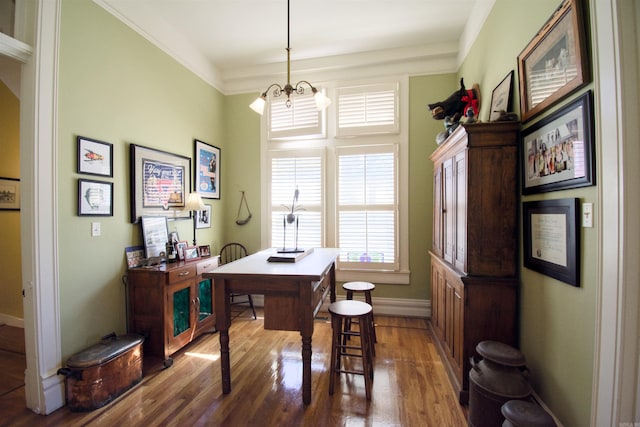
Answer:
x=183 y=273
x=320 y=291
x=207 y=266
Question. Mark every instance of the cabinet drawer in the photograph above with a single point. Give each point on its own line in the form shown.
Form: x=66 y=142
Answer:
x=320 y=290
x=206 y=266
x=182 y=273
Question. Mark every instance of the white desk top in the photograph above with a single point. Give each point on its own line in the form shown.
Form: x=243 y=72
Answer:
x=312 y=266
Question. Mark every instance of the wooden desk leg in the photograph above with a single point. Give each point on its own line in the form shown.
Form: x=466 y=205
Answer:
x=224 y=361
x=306 y=370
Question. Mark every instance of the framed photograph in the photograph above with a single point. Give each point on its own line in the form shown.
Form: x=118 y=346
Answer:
x=555 y=62
x=558 y=151
x=501 y=97
x=9 y=194
x=155 y=235
x=95 y=157
x=551 y=238
x=207 y=170
x=180 y=247
x=134 y=255
x=160 y=183
x=204 y=250
x=95 y=198
x=203 y=217
x=191 y=253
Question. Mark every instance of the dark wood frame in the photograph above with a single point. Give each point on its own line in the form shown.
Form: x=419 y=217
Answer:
x=563 y=32
x=501 y=97
x=94 y=151
x=202 y=173
x=84 y=206
x=563 y=130
x=141 y=157
x=569 y=209
x=204 y=251
x=12 y=187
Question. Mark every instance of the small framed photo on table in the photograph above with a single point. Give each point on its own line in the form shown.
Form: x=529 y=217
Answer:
x=191 y=253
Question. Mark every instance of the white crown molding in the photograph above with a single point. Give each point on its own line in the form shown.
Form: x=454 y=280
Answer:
x=477 y=18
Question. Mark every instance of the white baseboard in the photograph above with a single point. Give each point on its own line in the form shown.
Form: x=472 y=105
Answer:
x=5 y=319
x=382 y=306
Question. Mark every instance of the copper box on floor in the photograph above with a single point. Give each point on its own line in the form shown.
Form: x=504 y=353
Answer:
x=102 y=372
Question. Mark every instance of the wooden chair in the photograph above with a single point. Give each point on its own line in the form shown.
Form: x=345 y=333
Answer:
x=231 y=252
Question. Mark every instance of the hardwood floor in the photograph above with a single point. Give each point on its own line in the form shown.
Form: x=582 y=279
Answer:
x=410 y=387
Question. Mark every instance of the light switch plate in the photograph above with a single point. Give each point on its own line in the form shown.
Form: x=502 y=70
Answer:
x=95 y=229
x=587 y=215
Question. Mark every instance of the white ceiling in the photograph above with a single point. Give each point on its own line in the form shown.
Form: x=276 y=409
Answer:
x=234 y=44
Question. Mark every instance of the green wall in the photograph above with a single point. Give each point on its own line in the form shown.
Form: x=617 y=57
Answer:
x=557 y=321
x=10 y=261
x=116 y=87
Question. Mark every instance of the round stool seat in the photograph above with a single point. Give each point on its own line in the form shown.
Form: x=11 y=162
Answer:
x=350 y=308
x=358 y=286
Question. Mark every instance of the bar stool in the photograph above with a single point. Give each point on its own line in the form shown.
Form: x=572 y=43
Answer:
x=365 y=288
x=341 y=311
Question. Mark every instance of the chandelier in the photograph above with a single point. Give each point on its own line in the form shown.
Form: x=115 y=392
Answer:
x=321 y=100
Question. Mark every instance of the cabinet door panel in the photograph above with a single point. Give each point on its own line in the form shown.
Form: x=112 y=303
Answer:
x=179 y=324
x=448 y=204
x=460 y=172
x=436 y=243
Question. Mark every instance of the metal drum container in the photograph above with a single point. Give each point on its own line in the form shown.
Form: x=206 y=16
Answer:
x=519 y=413
x=496 y=379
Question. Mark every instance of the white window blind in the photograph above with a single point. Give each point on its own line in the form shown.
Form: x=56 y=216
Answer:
x=302 y=118
x=291 y=171
x=368 y=110
x=367 y=207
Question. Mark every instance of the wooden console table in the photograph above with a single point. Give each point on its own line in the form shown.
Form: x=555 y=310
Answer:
x=293 y=294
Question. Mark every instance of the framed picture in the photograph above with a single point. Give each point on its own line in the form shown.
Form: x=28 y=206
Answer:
x=558 y=151
x=203 y=217
x=191 y=253
x=501 y=97
x=180 y=247
x=204 y=250
x=95 y=157
x=9 y=194
x=555 y=62
x=155 y=235
x=160 y=182
x=551 y=238
x=207 y=170
x=134 y=255
x=95 y=198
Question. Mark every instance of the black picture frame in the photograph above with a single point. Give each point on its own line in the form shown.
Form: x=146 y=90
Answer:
x=95 y=198
x=207 y=169
x=160 y=182
x=501 y=97
x=558 y=151
x=555 y=63
x=94 y=157
x=551 y=238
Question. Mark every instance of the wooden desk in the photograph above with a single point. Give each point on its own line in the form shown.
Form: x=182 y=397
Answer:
x=293 y=294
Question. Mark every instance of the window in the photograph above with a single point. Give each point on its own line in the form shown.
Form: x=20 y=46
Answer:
x=352 y=182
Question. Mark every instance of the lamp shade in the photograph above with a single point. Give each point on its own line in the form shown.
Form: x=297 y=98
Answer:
x=194 y=203
x=258 y=105
x=322 y=101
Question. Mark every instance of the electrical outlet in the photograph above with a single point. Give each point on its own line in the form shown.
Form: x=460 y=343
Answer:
x=587 y=215
x=95 y=229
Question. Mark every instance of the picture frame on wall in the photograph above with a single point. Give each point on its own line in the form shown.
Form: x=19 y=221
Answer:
x=555 y=62
x=160 y=182
x=558 y=151
x=9 y=194
x=203 y=217
x=94 y=157
x=95 y=198
x=501 y=97
x=207 y=170
x=551 y=238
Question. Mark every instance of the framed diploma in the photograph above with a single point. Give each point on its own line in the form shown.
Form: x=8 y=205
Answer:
x=551 y=238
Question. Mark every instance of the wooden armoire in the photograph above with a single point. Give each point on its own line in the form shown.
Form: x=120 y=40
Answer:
x=474 y=252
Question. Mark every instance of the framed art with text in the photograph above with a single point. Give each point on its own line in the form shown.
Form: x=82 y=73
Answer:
x=551 y=238
x=558 y=150
x=555 y=62
x=95 y=198
x=160 y=182
x=155 y=235
x=207 y=170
